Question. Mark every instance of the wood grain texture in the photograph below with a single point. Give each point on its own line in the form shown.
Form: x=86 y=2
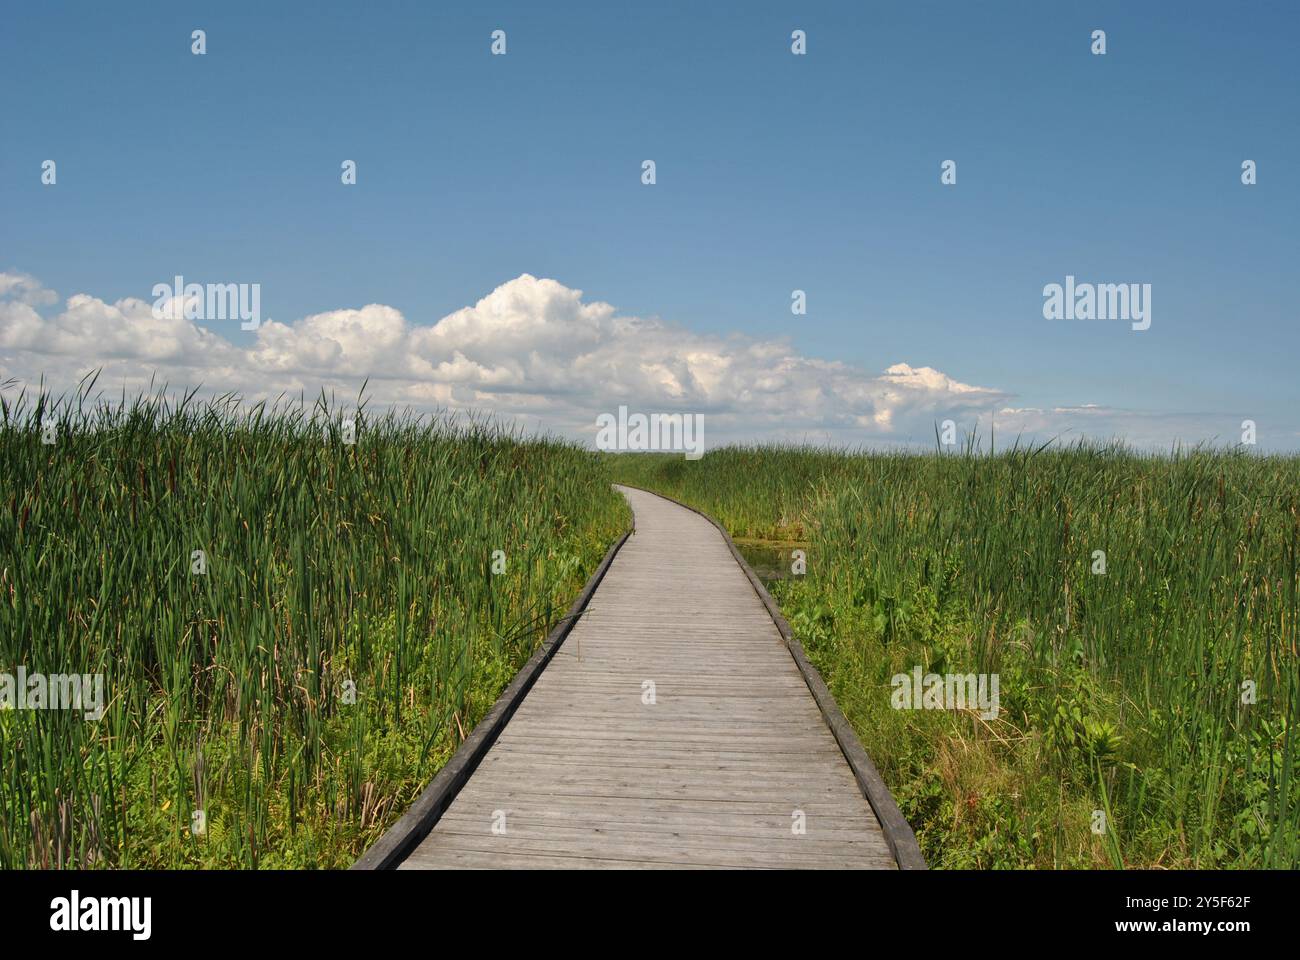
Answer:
x=898 y=832
x=717 y=772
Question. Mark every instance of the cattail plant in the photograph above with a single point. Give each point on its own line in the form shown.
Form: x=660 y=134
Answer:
x=288 y=604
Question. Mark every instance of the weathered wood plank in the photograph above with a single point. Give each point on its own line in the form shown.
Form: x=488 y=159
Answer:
x=601 y=807
x=769 y=827
x=666 y=848
x=732 y=765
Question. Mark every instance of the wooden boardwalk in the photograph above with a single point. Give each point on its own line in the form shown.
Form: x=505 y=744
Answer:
x=720 y=770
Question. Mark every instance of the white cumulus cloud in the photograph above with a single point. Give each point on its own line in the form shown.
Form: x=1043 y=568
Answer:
x=532 y=349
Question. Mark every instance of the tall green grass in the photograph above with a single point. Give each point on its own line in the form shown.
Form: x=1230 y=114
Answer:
x=1120 y=692
x=348 y=632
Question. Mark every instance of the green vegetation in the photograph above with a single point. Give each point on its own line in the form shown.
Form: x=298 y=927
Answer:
x=349 y=630
x=1120 y=692
x=347 y=634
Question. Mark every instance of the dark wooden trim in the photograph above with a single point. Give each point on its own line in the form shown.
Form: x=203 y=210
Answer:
x=405 y=835
x=898 y=833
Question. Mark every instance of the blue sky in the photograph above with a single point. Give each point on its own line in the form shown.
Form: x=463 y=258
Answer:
x=775 y=172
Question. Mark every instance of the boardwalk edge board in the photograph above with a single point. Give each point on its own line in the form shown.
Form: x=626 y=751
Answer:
x=405 y=835
x=898 y=832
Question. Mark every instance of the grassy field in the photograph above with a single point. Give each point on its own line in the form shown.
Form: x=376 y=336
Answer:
x=1127 y=692
x=346 y=625
x=299 y=682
